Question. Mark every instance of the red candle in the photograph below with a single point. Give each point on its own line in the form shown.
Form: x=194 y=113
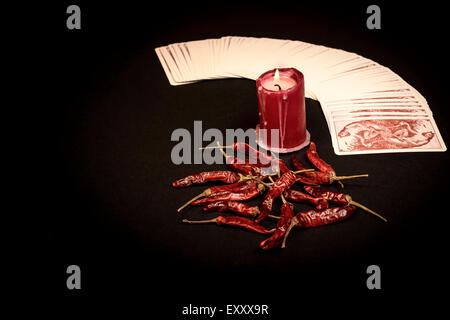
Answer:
x=281 y=101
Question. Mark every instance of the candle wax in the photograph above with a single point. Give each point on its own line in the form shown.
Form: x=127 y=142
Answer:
x=284 y=82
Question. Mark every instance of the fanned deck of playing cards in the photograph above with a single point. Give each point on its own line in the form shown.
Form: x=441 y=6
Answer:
x=368 y=108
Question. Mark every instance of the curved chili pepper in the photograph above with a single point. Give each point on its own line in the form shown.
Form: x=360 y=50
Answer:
x=287 y=212
x=320 y=164
x=339 y=198
x=235 y=221
x=259 y=158
x=299 y=166
x=319 y=177
x=253 y=189
x=240 y=165
x=244 y=167
x=313 y=156
x=309 y=178
x=248 y=161
x=202 y=177
x=317 y=218
x=331 y=196
x=237 y=187
x=283 y=167
x=234 y=187
x=286 y=181
x=327 y=175
x=298 y=196
x=233 y=206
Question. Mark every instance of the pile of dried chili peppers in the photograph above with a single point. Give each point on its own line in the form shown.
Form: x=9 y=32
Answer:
x=249 y=179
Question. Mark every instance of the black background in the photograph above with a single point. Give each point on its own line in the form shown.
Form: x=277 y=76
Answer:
x=106 y=118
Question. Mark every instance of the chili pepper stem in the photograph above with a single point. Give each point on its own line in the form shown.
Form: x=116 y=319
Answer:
x=304 y=170
x=244 y=178
x=273 y=174
x=367 y=209
x=204 y=193
x=350 y=177
x=199 y=221
x=274 y=217
x=221 y=150
x=264 y=183
x=211 y=147
x=292 y=225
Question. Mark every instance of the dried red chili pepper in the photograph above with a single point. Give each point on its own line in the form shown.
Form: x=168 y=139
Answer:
x=259 y=158
x=318 y=178
x=331 y=196
x=326 y=175
x=296 y=163
x=317 y=218
x=233 y=206
x=320 y=164
x=202 y=177
x=254 y=190
x=299 y=166
x=339 y=198
x=237 y=187
x=235 y=221
x=282 y=184
x=305 y=177
x=287 y=212
x=245 y=148
x=313 y=156
x=244 y=167
x=298 y=196
x=248 y=161
x=283 y=167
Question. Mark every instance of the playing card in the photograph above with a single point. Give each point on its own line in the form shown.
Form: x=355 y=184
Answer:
x=375 y=110
x=166 y=67
x=180 y=61
x=386 y=134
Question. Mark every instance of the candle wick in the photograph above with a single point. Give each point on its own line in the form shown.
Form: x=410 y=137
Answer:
x=279 y=87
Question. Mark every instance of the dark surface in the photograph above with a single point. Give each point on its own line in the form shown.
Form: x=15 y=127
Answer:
x=106 y=163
